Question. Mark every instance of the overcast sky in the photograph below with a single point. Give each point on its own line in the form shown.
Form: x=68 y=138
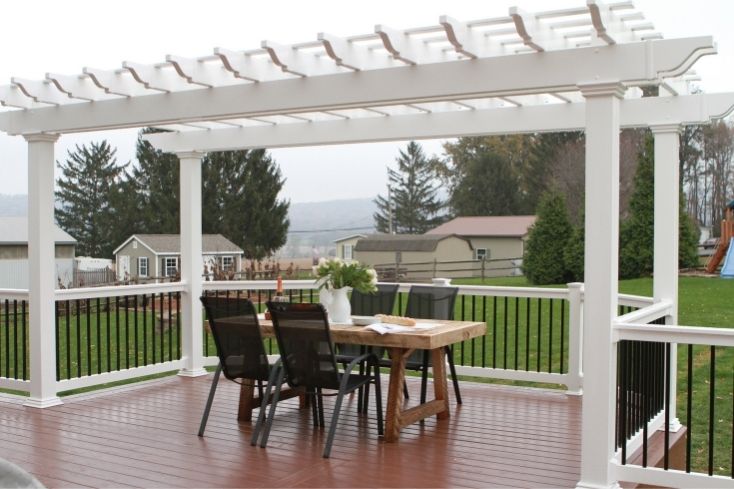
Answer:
x=63 y=36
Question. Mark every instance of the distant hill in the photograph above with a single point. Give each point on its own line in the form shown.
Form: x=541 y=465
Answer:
x=13 y=205
x=318 y=224
x=313 y=224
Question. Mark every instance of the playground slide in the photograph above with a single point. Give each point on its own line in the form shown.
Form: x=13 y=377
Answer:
x=727 y=270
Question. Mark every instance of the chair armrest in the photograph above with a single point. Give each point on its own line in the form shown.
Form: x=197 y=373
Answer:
x=360 y=359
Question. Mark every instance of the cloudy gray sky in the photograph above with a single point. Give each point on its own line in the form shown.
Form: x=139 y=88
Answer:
x=62 y=37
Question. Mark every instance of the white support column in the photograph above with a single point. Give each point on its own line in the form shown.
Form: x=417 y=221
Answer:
x=41 y=270
x=575 y=339
x=190 y=265
x=600 y=290
x=665 y=262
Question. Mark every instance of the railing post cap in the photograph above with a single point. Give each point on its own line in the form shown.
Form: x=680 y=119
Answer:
x=441 y=281
x=575 y=285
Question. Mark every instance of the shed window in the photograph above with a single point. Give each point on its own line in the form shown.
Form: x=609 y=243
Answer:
x=347 y=251
x=482 y=254
x=171 y=266
x=227 y=263
x=143 y=266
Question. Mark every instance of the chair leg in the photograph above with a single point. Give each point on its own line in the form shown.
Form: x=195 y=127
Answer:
x=454 y=379
x=378 y=401
x=264 y=405
x=321 y=407
x=365 y=401
x=260 y=388
x=334 y=420
x=406 y=394
x=208 y=407
x=311 y=393
x=273 y=403
x=424 y=377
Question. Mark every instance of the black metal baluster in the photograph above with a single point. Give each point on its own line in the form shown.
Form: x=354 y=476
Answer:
x=689 y=401
x=563 y=332
x=170 y=329
x=78 y=338
x=87 y=304
x=178 y=324
x=550 y=335
x=152 y=326
x=99 y=341
x=135 y=325
x=109 y=342
x=463 y=318
x=7 y=338
x=67 y=304
x=57 y=326
x=127 y=333
x=118 y=326
x=517 y=329
x=484 y=336
x=712 y=398
x=145 y=329
x=666 y=449
x=494 y=334
x=527 y=334
x=473 y=318
x=622 y=418
x=645 y=389
x=15 y=340
x=540 y=314
x=505 y=335
x=23 y=306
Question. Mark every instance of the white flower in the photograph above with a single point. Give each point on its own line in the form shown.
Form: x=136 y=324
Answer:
x=372 y=273
x=315 y=270
x=322 y=261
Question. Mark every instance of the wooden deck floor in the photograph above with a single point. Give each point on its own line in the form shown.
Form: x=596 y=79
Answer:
x=145 y=436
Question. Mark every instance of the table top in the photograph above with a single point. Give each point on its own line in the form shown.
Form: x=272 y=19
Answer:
x=445 y=333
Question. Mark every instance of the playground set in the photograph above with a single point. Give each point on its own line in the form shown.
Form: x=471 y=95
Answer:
x=724 y=246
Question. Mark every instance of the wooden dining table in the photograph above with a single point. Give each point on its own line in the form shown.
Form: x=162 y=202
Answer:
x=399 y=346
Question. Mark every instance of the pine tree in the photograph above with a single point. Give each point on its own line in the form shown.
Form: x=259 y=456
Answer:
x=573 y=254
x=417 y=207
x=155 y=180
x=543 y=261
x=87 y=189
x=240 y=201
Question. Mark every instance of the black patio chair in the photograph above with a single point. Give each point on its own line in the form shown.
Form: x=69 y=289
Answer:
x=365 y=304
x=308 y=362
x=431 y=302
x=236 y=331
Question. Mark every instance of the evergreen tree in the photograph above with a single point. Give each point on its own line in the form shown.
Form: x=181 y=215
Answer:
x=240 y=201
x=573 y=254
x=155 y=180
x=637 y=231
x=415 y=199
x=543 y=261
x=87 y=189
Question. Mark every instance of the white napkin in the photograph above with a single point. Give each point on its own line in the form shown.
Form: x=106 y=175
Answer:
x=383 y=328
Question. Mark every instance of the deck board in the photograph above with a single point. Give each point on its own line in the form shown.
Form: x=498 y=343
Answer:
x=145 y=436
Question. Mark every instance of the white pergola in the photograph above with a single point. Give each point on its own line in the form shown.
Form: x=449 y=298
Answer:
x=572 y=69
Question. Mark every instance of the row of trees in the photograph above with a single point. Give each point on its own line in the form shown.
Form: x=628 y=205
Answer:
x=101 y=202
x=554 y=252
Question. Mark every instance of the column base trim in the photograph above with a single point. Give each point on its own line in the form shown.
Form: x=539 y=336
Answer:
x=674 y=426
x=589 y=485
x=43 y=403
x=197 y=372
x=575 y=392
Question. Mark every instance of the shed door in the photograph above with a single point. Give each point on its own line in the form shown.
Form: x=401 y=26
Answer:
x=124 y=270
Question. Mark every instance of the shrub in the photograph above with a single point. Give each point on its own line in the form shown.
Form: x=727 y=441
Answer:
x=543 y=261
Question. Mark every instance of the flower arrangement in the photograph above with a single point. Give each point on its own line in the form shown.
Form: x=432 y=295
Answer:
x=335 y=273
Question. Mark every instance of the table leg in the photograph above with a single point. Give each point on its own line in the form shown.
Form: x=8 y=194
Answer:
x=440 y=383
x=395 y=394
x=247 y=395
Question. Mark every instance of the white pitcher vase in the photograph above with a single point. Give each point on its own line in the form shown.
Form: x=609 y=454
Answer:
x=337 y=304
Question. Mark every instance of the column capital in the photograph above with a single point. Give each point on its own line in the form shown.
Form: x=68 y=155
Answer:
x=190 y=155
x=666 y=128
x=602 y=88
x=41 y=137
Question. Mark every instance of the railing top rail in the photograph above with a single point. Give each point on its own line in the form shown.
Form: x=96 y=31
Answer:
x=693 y=335
x=258 y=284
x=505 y=291
x=14 y=294
x=634 y=300
x=647 y=313
x=118 y=291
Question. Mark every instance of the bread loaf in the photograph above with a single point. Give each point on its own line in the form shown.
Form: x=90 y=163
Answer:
x=400 y=320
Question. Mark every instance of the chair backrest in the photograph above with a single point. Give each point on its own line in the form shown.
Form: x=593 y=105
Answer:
x=380 y=302
x=236 y=332
x=431 y=302
x=304 y=341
